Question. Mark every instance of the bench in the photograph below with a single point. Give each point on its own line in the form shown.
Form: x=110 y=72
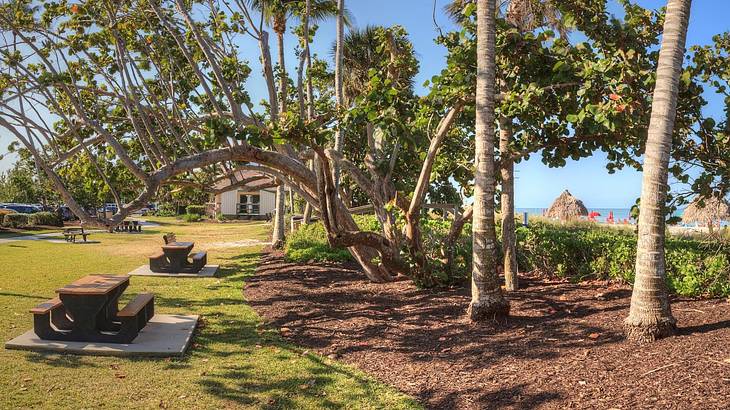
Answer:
x=158 y=262
x=200 y=259
x=47 y=313
x=169 y=238
x=135 y=316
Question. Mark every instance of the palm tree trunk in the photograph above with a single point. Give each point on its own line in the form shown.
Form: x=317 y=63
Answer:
x=486 y=295
x=339 y=92
x=509 y=240
x=650 y=316
x=282 y=72
x=277 y=237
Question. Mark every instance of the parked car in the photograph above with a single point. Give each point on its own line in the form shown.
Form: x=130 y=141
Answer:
x=20 y=208
x=65 y=213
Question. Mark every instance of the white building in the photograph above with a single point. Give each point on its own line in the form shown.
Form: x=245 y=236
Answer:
x=251 y=196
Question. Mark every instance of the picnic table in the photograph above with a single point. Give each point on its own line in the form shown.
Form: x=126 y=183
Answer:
x=177 y=254
x=71 y=233
x=87 y=310
x=174 y=257
x=129 y=226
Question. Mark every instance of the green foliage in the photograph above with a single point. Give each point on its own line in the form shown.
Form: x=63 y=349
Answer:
x=192 y=217
x=22 y=184
x=45 y=218
x=167 y=209
x=434 y=232
x=15 y=220
x=694 y=267
x=195 y=209
x=309 y=242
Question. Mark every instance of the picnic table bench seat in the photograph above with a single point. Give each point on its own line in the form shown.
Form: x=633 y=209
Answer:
x=135 y=316
x=200 y=259
x=158 y=261
x=47 y=313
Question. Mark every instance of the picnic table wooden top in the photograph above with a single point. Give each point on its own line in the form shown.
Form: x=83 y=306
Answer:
x=94 y=285
x=178 y=245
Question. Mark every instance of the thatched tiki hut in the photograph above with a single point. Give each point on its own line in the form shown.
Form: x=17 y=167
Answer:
x=567 y=207
x=708 y=212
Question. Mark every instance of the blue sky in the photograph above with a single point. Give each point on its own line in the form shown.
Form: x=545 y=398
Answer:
x=536 y=185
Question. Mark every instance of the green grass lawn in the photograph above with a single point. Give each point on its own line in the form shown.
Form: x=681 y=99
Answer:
x=235 y=361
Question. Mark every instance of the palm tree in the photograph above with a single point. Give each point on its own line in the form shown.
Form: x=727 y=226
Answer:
x=359 y=56
x=486 y=295
x=650 y=316
x=277 y=13
x=339 y=135
x=526 y=16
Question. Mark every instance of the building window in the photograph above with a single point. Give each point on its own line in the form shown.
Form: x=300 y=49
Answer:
x=249 y=204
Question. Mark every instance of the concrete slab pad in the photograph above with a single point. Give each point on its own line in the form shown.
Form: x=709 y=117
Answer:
x=208 y=271
x=164 y=335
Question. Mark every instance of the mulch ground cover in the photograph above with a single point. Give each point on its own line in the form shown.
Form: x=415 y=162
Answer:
x=561 y=347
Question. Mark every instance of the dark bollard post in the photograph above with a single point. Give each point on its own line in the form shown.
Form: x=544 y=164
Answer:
x=525 y=219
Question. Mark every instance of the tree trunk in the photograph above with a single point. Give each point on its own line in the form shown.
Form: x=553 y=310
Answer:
x=650 y=317
x=282 y=72
x=339 y=92
x=509 y=240
x=487 y=300
x=277 y=237
x=269 y=75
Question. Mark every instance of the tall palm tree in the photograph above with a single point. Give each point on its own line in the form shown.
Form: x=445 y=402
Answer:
x=650 y=317
x=486 y=295
x=339 y=98
x=360 y=54
x=526 y=16
x=277 y=13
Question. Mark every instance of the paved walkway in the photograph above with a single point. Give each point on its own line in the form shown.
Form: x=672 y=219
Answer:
x=39 y=237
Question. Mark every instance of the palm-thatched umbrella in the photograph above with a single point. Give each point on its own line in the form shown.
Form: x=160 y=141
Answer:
x=566 y=207
x=708 y=211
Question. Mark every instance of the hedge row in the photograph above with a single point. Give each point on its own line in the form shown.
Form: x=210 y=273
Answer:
x=22 y=220
x=694 y=267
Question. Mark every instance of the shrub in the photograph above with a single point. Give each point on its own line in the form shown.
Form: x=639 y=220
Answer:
x=195 y=209
x=192 y=218
x=576 y=251
x=45 y=218
x=167 y=209
x=694 y=267
x=309 y=242
x=15 y=220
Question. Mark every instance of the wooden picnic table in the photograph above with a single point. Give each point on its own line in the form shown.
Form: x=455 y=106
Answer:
x=70 y=233
x=177 y=254
x=88 y=310
x=93 y=301
x=129 y=226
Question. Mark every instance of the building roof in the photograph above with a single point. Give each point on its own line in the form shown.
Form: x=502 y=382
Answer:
x=245 y=179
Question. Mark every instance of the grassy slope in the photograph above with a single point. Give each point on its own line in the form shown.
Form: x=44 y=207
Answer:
x=235 y=361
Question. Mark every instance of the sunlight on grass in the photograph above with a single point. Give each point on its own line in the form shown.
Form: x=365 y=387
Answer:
x=235 y=361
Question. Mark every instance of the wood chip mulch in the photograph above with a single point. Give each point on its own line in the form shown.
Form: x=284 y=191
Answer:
x=561 y=347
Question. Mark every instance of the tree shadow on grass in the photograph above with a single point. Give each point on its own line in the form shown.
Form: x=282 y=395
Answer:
x=61 y=360
x=21 y=295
